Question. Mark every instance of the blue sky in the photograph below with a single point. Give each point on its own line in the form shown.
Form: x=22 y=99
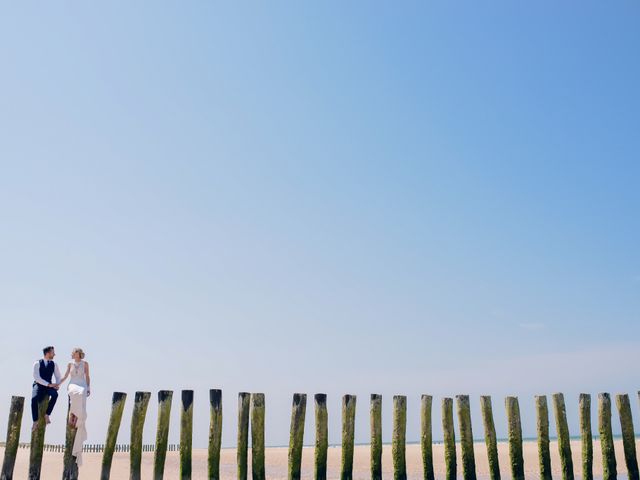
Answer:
x=348 y=198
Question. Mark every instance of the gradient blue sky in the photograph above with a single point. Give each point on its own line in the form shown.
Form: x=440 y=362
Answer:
x=347 y=197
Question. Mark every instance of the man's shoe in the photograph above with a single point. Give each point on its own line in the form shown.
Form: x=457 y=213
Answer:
x=47 y=420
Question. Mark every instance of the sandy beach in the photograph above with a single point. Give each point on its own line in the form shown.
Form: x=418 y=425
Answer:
x=276 y=462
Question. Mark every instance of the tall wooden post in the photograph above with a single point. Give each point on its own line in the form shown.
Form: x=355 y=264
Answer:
x=165 y=397
x=140 y=404
x=296 y=435
x=215 y=434
x=322 y=437
x=348 y=431
x=628 y=436
x=586 y=438
x=257 y=436
x=515 y=438
x=243 y=434
x=609 y=467
x=426 y=437
x=399 y=438
x=564 y=440
x=376 y=436
x=186 y=434
x=490 y=438
x=544 y=454
x=37 y=442
x=70 y=465
x=117 y=407
x=449 y=439
x=13 y=437
x=466 y=437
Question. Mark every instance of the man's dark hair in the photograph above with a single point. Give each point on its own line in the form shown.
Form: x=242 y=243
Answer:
x=46 y=350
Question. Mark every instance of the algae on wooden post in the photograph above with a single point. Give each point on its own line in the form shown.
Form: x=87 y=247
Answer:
x=609 y=467
x=628 y=436
x=296 y=435
x=117 y=407
x=466 y=437
x=37 y=442
x=490 y=438
x=348 y=430
x=514 y=432
x=165 y=397
x=376 y=436
x=426 y=437
x=449 y=439
x=70 y=465
x=586 y=439
x=399 y=437
x=322 y=437
x=564 y=440
x=215 y=434
x=257 y=436
x=13 y=437
x=140 y=404
x=544 y=454
x=243 y=434
x=186 y=434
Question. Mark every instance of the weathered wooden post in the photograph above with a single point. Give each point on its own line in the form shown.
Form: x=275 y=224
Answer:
x=257 y=436
x=426 y=437
x=399 y=437
x=544 y=454
x=609 y=467
x=348 y=439
x=296 y=435
x=564 y=440
x=37 y=442
x=141 y=402
x=13 y=437
x=215 y=434
x=490 y=438
x=186 y=434
x=322 y=437
x=515 y=438
x=628 y=436
x=165 y=397
x=466 y=437
x=586 y=438
x=70 y=465
x=449 y=439
x=243 y=434
x=376 y=436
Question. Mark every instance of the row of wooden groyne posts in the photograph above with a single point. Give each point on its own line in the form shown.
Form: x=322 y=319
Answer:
x=96 y=447
x=251 y=413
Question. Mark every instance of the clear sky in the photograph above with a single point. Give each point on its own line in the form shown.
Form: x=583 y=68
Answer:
x=340 y=197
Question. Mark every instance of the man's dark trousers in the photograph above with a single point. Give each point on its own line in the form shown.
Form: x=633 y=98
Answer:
x=38 y=394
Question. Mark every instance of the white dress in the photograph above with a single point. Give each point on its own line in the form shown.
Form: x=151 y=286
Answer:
x=78 y=405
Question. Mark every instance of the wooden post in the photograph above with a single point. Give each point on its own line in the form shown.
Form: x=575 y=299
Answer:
x=13 y=437
x=257 y=436
x=296 y=435
x=466 y=437
x=515 y=438
x=449 y=439
x=628 y=436
x=70 y=465
x=141 y=402
x=322 y=437
x=243 y=434
x=215 y=434
x=564 y=440
x=586 y=438
x=426 y=437
x=186 y=434
x=609 y=467
x=37 y=442
x=376 y=436
x=348 y=431
x=399 y=437
x=490 y=438
x=165 y=397
x=544 y=454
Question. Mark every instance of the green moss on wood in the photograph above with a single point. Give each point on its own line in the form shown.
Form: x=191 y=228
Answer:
x=564 y=439
x=426 y=437
x=141 y=402
x=322 y=437
x=586 y=440
x=243 y=434
x=399 y=437
x=628 y=436
x=165 y=398
x=117 y=407
x=609 y=467
x=296 y=435
x=376 y=436
x=490 y=438
x=544 y=453
x=186 y=434
x=70 y=465
x=514 y=433
x=257 y=436
x=348 y=430
x=37 y=442
x=13 y=437
x=466 y=437
x=449 y=439
x=215 y=434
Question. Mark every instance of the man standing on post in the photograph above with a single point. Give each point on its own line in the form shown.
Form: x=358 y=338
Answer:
x=43 y=372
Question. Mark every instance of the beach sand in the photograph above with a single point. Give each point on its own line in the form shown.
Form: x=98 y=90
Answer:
x=276 y=462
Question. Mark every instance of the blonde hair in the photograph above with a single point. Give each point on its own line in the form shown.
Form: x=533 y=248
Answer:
x=77 y=350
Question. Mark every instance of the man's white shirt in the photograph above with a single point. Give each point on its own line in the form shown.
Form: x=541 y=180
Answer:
x=36 y=372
